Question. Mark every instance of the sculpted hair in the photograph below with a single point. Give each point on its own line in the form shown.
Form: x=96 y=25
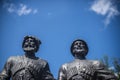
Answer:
x=36 y=40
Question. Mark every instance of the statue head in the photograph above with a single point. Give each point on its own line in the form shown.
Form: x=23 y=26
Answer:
x=79 y=48
x=31 y=44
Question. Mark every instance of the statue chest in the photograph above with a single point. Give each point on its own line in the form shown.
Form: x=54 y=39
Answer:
x=81 y=70
x=26 y=69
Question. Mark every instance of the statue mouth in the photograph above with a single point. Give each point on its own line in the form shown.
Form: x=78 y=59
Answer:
x=28 y=48
x=79 y=49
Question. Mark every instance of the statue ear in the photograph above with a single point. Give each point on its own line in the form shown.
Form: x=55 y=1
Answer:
x=25 y=37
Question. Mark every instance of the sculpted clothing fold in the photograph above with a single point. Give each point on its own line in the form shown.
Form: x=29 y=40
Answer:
x=24 y=68
x=84 y=70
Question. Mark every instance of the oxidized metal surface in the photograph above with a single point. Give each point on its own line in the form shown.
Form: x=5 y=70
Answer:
x=28 y=66
x=78 y=70
x=82 y=69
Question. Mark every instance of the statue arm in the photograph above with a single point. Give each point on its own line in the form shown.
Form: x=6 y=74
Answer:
x=62 y=73
x=105 y=75
x=6 y=73
x=46 y=75
x=102 y=73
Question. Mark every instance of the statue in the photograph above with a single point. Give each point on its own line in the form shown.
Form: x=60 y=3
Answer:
x=28 y=66
x=81 y=68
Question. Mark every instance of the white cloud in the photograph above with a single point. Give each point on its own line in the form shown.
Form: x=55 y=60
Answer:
x=20 y=9
x=11 y=8
x=35 y=11
x=105 y=8
x=24 y=10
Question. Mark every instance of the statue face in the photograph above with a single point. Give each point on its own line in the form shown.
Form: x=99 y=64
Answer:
x=29 y=45
x=79 y=48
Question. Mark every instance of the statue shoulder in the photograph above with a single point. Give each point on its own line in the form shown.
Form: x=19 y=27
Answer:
x=62 y=72
x=65 y=66
x=13 y=58
x=42 y=62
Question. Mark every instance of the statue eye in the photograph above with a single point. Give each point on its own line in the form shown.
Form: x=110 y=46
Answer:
x=31 y=40
x=25 y=45
x=26 y=40
x=80 y=43
x=76 y=43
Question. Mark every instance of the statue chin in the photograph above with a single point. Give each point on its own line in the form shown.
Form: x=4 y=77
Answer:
x=80 y=53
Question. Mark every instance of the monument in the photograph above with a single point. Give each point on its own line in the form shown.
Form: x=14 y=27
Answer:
x=28 y=66
x=81 y=68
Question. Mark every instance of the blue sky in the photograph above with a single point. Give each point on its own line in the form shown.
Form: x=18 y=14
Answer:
x=57 y=23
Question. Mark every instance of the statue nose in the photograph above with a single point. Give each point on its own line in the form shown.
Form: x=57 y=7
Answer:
x=29 y=42
x=79 y=46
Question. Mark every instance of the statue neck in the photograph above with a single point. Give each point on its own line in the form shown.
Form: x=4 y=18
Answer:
x=30 y=55
x=80 y=57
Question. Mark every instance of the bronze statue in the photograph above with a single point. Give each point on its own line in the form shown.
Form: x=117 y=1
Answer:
x=28 y=66
x=81 y=68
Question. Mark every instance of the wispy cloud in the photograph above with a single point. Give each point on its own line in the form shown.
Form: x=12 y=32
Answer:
x=11 y=8
x=20 y=9
x=49 y=13
x=105 y=8
x=35 y=11
x=23 y=10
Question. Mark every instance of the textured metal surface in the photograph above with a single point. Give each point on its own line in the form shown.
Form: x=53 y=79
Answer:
x=24 y=68
x=28 y=66
x=82 y=69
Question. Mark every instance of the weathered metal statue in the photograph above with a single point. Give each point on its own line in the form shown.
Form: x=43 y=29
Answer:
x=28 y=66
x=82 y=69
